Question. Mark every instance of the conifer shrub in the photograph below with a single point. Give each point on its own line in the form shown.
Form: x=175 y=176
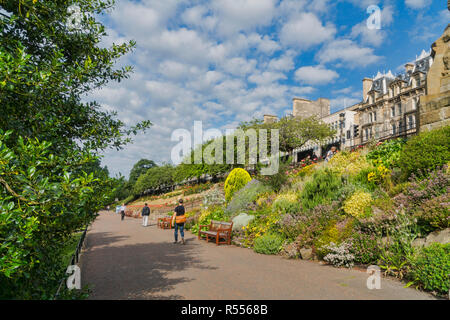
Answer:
x=321 y=189
x=236 y=180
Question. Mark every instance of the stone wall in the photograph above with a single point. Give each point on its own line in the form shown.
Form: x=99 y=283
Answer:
x=306 y=108
x=435 y=105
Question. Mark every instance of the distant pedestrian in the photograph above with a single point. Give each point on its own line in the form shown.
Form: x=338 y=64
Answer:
x=331 y=153
x=122 y=211
x=145 y=214
x=178 y=220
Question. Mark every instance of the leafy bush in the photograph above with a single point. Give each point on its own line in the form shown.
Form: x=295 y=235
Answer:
x=339 y=255
x=434 y=213
x=431 y=268
x=245 y=197
x=418 y=191
x=268 y=244
x=428 y=150
x=215 y=213
x=349 y=163
x=321 y=189
x=388 y=153
x=358 y=204
x=290 y=226
x=314 y=222
x=286 y=204
x=235 y=181
x=336 y=232
x=365 y=248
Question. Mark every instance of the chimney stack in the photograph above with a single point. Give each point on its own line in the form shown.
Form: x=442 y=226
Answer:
x=367 y=85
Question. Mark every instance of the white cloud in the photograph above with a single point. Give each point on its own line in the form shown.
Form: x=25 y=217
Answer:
x=242 y=15
x=417 y=4
x=306 y=30
x=316 y=75
x=348 y=52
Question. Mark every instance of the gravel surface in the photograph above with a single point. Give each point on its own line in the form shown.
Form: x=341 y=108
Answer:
x=124 y=260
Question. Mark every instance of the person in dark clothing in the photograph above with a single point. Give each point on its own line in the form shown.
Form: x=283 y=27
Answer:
x=145 y=214
x=178 y=221
x=122 y=211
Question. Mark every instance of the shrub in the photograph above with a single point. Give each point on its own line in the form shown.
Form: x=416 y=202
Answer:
x=339 y=255
x=349 y=163
x=431 y=268
x=426 y=151
x=434 y=185
x=365 y=248
x=268 y=244
x=290 y=226
x=235 y=181
x=434 y=213
x=388 y=153
x=246 y=197
x=286 y=204
x=311 y=224
x=321 y=189
x=358 y=204
x=336 y=232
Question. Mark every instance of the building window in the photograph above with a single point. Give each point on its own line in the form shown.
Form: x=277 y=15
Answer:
x=414 y=103
x=375 y=116
x=370 y=118
x=411 y=122
x=348 y=134
x=394 y=129
x=399 y=108
x=392 y=111
x=418 y=81
x=400 y=126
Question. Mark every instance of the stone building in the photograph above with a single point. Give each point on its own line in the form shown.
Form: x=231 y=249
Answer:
x=343 y=122
x=435 y=106
x=390 y=106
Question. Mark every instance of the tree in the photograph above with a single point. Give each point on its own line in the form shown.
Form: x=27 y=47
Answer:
x=50 y=139
x=140 y=168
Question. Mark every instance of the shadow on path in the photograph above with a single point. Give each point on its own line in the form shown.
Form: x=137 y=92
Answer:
x=136 y=271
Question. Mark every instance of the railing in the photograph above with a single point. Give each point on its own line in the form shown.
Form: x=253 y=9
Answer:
x=73 y=261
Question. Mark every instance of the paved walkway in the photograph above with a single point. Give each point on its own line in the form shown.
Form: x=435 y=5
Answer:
x=124 y=260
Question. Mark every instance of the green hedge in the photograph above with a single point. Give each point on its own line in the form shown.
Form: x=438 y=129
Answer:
x=427 y=151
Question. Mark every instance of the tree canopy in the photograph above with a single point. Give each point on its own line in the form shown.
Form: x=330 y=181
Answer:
x=51 y=136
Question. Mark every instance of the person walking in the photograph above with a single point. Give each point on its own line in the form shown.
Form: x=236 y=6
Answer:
x=122 y=211
x=145 y=214
x=178 y=220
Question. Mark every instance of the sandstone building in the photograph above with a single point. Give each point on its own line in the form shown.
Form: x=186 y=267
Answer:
x=415 y=100
x=390 y=105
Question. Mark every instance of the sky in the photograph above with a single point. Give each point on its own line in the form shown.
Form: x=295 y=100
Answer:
x=226 y=61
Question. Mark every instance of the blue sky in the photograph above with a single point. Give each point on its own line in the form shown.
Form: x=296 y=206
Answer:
x=225 y=61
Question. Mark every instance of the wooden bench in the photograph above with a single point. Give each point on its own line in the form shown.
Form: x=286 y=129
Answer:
x=165 y=223
x=216 y=230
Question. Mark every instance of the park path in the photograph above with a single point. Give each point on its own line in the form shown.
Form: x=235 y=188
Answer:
x=124 y=260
